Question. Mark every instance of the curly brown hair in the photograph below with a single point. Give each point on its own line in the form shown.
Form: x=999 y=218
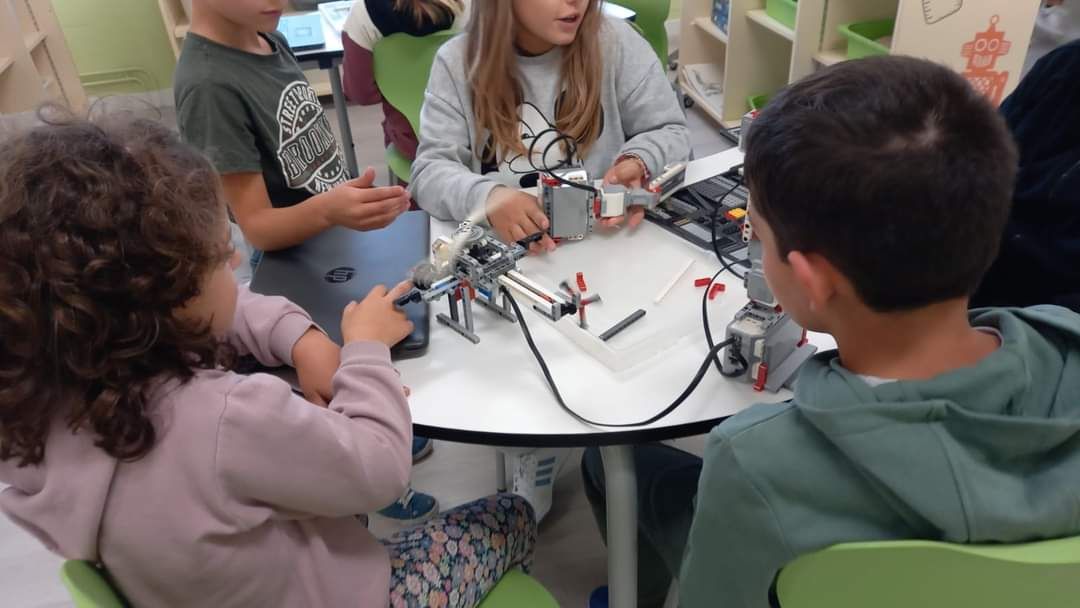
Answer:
x=107 y=229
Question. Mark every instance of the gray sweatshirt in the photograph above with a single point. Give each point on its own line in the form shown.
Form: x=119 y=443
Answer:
x=641 y=116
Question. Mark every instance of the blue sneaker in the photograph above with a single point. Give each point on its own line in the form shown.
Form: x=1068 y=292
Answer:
x=412 y=508
x=421 y=448
x=599 y=598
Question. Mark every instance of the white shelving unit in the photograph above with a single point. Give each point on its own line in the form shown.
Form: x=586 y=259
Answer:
x=758 y=55
x=35 y=63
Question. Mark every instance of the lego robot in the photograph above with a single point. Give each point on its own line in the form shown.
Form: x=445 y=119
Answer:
x=768 y=347
x=573 y=203
x=472 y=265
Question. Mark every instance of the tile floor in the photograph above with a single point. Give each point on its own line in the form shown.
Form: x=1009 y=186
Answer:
x=570 y=557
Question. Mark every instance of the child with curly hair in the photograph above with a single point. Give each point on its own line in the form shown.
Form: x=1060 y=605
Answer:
x=128 y=442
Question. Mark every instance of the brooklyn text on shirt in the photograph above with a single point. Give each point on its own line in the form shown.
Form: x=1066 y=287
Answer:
x=308 y=151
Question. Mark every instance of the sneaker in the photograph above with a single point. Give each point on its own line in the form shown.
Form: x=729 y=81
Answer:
x=412 y=508
x=533 y=478
x=421 y=448
x=598 y=598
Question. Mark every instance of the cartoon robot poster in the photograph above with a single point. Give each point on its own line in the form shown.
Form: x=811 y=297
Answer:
x=982 y=54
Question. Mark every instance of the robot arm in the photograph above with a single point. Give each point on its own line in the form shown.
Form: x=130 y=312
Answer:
x=472 y=264
x=616 y=199
x=574 y=205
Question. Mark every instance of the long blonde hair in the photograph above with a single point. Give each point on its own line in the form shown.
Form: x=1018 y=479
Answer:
x=496 y=90
x=431 y=11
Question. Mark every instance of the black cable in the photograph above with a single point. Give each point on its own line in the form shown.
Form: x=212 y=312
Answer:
x=726 y=260
x=726 y=265
x=743 y=365
x=704 y=367
x=571 y=152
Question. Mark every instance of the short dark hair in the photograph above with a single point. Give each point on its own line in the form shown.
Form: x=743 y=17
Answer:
x=106 y=229
x=894 y=169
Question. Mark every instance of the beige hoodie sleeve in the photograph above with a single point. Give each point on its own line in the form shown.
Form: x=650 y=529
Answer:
x=275 y=449
x=267 y=327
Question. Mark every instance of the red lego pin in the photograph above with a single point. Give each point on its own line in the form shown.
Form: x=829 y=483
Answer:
x=762 y=377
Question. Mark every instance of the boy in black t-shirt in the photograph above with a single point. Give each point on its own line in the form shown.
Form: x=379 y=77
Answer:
x=243 y=100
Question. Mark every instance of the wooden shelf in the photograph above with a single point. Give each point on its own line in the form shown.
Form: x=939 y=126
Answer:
x=35 y=62
x=700 y=101
x=706 y=25
x=760 y=54
x=33 y=40
x=830 y=57
x=761 y=18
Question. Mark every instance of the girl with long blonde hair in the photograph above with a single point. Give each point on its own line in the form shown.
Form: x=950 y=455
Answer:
x=501 y=98
x=534 y=85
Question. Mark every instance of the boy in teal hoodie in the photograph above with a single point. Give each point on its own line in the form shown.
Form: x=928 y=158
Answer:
x=879 y=191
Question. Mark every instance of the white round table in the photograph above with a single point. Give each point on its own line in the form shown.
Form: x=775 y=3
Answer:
x=493 y=393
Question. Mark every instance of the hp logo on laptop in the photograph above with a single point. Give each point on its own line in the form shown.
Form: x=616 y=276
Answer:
x=341 y=274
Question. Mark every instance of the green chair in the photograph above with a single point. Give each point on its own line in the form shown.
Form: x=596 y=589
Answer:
x=518 y=590
x=924 y=574
x=90 y=589
x=402 y=65
x=651 y=15
x=88 y=586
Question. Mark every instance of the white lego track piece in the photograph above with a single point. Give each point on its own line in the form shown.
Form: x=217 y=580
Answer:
x=628 y=281
x=674 y=280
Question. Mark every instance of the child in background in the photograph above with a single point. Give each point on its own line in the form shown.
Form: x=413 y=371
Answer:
x=1057 y=23
x=498 y=100
x=242 y=100
x=526 y=72
x=127 y=442
x=1039 y=261
x=879 y=189
x=369 y=22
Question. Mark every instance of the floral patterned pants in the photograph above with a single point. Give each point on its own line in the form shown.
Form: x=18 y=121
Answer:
x=454 y=559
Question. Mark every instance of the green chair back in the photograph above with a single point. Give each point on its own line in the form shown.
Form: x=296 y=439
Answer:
x=518 y=590
x=651 y=15
x=402 y=67
x=88 y=586
x=905 y=574
x=400 y=166
x=90 y=589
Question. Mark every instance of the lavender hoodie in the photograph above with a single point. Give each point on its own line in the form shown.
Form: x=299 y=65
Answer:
x=249 y=496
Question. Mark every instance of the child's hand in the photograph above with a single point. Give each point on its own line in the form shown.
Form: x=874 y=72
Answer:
x=516 y=215
x=376 y=318
x=316 y=359
x=357 y=205
x=629 y=172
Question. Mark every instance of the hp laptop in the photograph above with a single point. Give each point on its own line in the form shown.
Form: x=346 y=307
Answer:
x=341 y=265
